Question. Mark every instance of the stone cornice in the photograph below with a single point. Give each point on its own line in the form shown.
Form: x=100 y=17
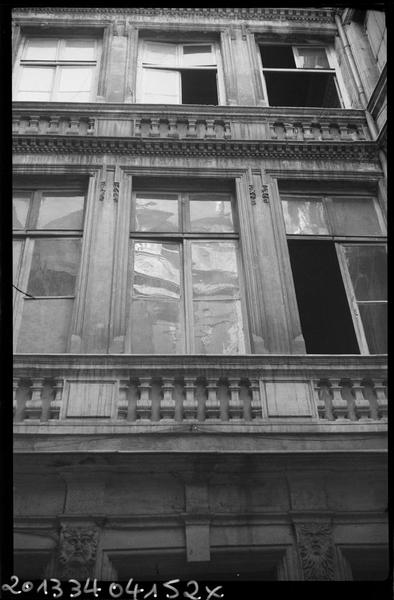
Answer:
x=314 y=15
x=274 y=149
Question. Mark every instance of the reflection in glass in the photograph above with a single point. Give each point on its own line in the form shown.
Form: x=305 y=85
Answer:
x=206 y=215
x=78 y=50
x=312 y=58
x=20 y=208
x=218 y=327
x=75 y=84
x=368 y=271
x=60 y=212
x=36 y=83
x=156 y=327
x=374 y=319
x=16 y=253
x=54 y=267
x=304 y=217
x=41 y=49
x=157 y=53
x=214 y=269
x=156 y=269
x=353 y=216
x=156 y=214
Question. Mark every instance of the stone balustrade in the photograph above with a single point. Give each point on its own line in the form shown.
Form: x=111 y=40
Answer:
x=225 y=391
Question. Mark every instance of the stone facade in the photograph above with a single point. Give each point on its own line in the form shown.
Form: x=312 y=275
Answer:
x=266 y=462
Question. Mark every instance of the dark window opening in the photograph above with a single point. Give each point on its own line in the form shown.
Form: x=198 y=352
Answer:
x=370 y=564
x=302 y=89
x=326 y=321
x=199 y=87
x=280 y=57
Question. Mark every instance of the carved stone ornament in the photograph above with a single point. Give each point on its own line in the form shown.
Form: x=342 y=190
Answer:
x=264 y=193
x=316 y=551
x=252 y=194
x=116 y=191
x=77 y=551
x=102 y=191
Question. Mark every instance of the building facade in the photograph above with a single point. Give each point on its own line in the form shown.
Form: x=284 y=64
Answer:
x=200 y=293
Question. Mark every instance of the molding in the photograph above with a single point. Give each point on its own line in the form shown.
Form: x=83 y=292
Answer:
x=362 y=151
x=261 y=14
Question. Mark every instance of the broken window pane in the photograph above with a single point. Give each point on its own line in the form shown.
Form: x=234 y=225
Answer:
x=311 y=58
x=374 y=320
x=20 y=208
x=210 y=215
x=304 y=217
x=156 y=327
x=156 y=269
x=60 y=212
x=41 y=49
x=158 y=213
x=354 y=216
x=54 y=267
x=78 y=50
x=214 y=269
x=368 y=271
x=218 y=327
x=16 y=253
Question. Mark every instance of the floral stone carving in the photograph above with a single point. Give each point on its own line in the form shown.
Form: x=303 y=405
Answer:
x=316 y=551
x=77 y=551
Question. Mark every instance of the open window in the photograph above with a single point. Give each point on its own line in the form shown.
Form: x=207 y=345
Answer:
x=338 y=260
x=178 y=73
x=186 y=292
x=300 y=76
x=53 y=69
x=47 y=240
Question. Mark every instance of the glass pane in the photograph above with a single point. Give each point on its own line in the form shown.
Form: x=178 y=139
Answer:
x=156 y=269
x=312 y=58
x=20 y=208
x=33 y=96
x=54 y=267
x=36 y=79
x=75 y=79
x=374 y=320
x=16 y=254
x=156 y=213
x=157 y=53
x=214 y=269
x=304 y=217
x=45 y=325
x=156 y=327
x=161 y=87
x=353 y=216
x=198 y=55
x=78 y=50
x=41 y=49
x=368 y=271
x=211 y=215
x=60 y=212
x=218 y=328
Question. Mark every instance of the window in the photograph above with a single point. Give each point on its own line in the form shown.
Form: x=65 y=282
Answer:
x=47 y=228
x=57 y=70
x=300 y=76
x=178 y=73
x=185 y=284
x=338 y=259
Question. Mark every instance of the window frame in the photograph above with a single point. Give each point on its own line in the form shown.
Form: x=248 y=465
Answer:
x=57 y=64
x=340 y=241
x=216 y=66
x=29 y=234
x=333 y=68
x=184 y=237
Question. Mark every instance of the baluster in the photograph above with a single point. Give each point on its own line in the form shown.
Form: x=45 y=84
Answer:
x=22 y=391
x=324 y=400
x=348 y=395
x=123 y=401
x=154 y=127
x=298 y=131
x=339 y=404
x=222 y=395
x=190 y=403
x=156 y=398
x=47 y=395
x=272 y=130
x=344 y=132
x=362 y=404
x=33 y=405
x=179 y=398
x=33 y=124
x=210 y=128
x=308 y=133
x=15 y=124
x=144 y=405
x=325 y=131
x=227 y=130
x=91 y=126
x=137 y=128
x=201 y=397
x=256 y=404
x=288 y=131
x=381 y=398
x=235 y=405
x=54 y=123
x=173 y=131
x=56 y=403
x=212 y=407
x=132 y=400
x=191 y=128
x=168 y=403
x=73 y=127
x=244 y=396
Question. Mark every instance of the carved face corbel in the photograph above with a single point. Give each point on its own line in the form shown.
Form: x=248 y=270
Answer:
x=77 y=550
